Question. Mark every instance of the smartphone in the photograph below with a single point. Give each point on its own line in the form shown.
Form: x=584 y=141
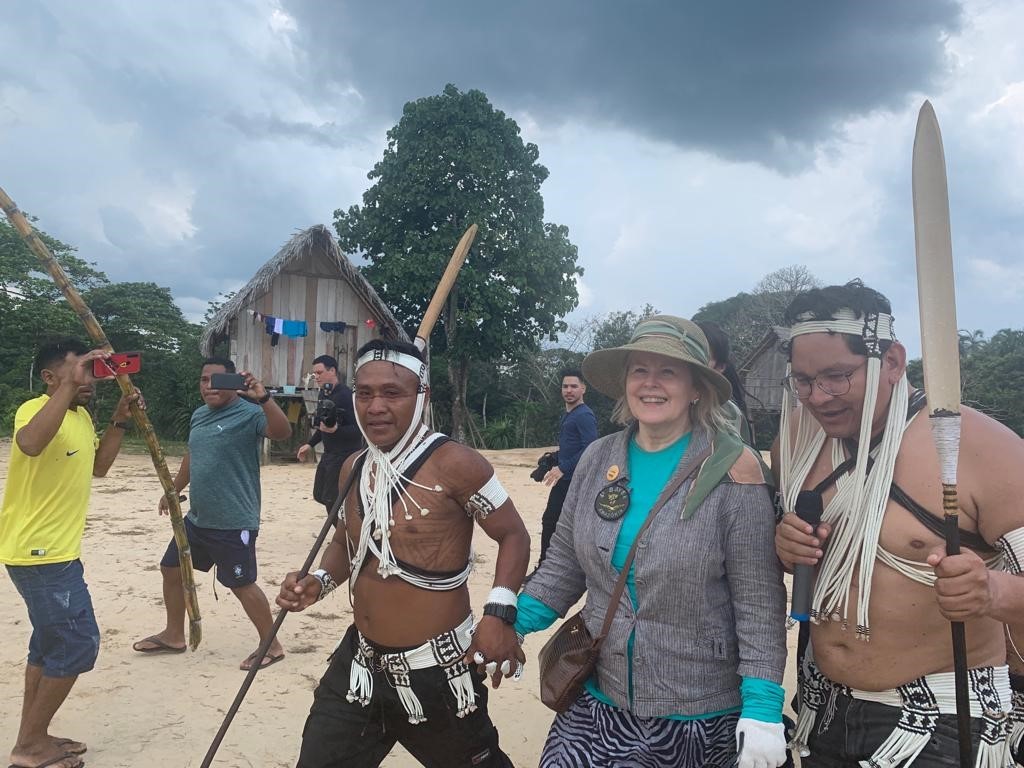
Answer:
x=227 y=381
x=116 y=364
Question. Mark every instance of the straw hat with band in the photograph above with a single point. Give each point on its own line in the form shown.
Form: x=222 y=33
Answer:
x=673 y=337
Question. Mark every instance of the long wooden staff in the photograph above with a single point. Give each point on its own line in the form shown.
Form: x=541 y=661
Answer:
x=92 y=327
x=430 y=317
x=444 y=287
x=940 y=351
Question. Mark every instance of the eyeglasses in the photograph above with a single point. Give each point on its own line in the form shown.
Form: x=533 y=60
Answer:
x=832 y=384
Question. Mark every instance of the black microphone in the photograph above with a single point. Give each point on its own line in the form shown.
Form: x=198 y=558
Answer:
x=808 y=509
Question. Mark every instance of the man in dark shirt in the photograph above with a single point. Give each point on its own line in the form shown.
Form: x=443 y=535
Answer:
x=576 y=430
x=335 y=426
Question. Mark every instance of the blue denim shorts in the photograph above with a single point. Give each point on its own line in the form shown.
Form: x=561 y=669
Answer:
x=65 y=638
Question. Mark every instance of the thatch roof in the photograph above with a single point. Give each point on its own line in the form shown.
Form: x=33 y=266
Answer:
x=317 y=237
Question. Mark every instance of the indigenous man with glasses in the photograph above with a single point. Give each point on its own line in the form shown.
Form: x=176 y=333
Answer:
x=410 y=669
x=876 y=680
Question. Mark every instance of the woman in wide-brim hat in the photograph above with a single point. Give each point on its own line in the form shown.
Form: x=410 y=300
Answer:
x=696 y=652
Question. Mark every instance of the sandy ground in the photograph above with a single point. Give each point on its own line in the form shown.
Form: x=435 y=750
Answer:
x=164 y=710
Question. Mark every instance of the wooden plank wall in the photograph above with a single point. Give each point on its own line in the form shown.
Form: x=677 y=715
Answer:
x=764 y=380
x=309 y=290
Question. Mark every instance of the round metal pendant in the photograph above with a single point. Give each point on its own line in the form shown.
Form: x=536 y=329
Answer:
x=612 y=502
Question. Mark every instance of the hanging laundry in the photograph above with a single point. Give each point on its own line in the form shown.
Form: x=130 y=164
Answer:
x=278 y=325
x=270 y=323
x=294 y=328
x=333 y=327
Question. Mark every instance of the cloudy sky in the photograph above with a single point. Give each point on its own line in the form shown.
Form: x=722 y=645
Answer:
x=693 y=147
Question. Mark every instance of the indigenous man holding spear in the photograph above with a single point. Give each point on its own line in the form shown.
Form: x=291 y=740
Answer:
x=53 y=458
x=403 y=543
x=883 y=473
x=877 y=683
x=907 y=696
x=409 y=669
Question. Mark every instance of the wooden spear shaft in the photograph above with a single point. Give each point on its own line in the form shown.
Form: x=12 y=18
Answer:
x=444 y=287
x=92 y=327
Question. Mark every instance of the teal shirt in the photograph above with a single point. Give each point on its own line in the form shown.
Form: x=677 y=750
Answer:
x=649 y=473
x=224 y=466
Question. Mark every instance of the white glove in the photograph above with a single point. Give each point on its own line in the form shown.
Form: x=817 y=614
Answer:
x=760 y=744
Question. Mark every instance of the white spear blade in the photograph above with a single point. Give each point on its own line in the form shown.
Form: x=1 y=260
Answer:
x=940 y=347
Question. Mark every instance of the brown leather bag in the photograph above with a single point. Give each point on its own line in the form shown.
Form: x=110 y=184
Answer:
x=569 y=657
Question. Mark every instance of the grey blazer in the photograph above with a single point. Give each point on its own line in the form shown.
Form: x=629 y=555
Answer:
x=709 y=588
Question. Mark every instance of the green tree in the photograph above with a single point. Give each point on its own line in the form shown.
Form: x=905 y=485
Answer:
x=991 y=375
x=136 y=317
x=451 y=161
x=994 y=377
x=32 y=309
x=143 y=317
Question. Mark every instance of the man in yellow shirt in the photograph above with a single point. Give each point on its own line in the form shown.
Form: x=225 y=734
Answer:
x=54 y=455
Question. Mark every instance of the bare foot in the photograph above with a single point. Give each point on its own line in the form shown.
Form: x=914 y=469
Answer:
x=48 y=753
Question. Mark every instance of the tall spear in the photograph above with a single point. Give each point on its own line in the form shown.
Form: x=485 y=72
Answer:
x=940 y=350
x=92 y=327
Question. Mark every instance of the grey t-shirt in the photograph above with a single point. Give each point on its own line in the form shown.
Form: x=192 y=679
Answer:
x=224 y=465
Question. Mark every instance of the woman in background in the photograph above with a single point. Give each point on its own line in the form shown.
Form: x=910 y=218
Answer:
x=721 y=361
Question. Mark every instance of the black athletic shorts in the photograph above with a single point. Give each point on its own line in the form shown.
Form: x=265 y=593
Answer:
x=343 y=734
x=232 y=551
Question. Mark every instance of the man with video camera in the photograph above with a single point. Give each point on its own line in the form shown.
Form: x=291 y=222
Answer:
x=334 y=423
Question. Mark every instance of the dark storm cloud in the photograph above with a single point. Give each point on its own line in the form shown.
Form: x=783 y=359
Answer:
x=763 y=81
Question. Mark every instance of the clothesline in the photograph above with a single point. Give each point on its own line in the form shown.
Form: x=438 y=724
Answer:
x=296 y=329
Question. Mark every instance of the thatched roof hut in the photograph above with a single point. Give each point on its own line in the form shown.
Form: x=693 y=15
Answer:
x=308 y=281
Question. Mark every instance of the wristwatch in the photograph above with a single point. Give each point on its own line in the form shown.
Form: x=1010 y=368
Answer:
x=121 y=425
x=263 y=399
x=506 y=613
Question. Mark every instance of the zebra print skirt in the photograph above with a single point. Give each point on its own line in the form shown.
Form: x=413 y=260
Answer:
x=594 y=735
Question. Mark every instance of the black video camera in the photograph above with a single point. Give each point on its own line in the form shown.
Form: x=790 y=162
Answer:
x=545 y=464
x=326 y=413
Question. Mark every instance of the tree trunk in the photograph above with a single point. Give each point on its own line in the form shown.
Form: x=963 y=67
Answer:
x=458 y=370
x=458 y=377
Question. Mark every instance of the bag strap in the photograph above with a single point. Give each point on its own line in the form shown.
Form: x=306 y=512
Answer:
x=673 y=485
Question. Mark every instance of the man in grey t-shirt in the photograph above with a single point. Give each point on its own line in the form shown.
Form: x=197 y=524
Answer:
x=222 y=467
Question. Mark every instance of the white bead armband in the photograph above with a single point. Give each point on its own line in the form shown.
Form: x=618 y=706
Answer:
x=490 y=496
x=1011 y=544
x=502 y=596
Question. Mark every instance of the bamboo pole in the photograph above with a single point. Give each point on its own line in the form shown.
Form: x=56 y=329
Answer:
x=92 y=327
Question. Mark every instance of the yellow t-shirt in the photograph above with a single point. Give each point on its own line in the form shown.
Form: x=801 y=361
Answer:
x=47 y=496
